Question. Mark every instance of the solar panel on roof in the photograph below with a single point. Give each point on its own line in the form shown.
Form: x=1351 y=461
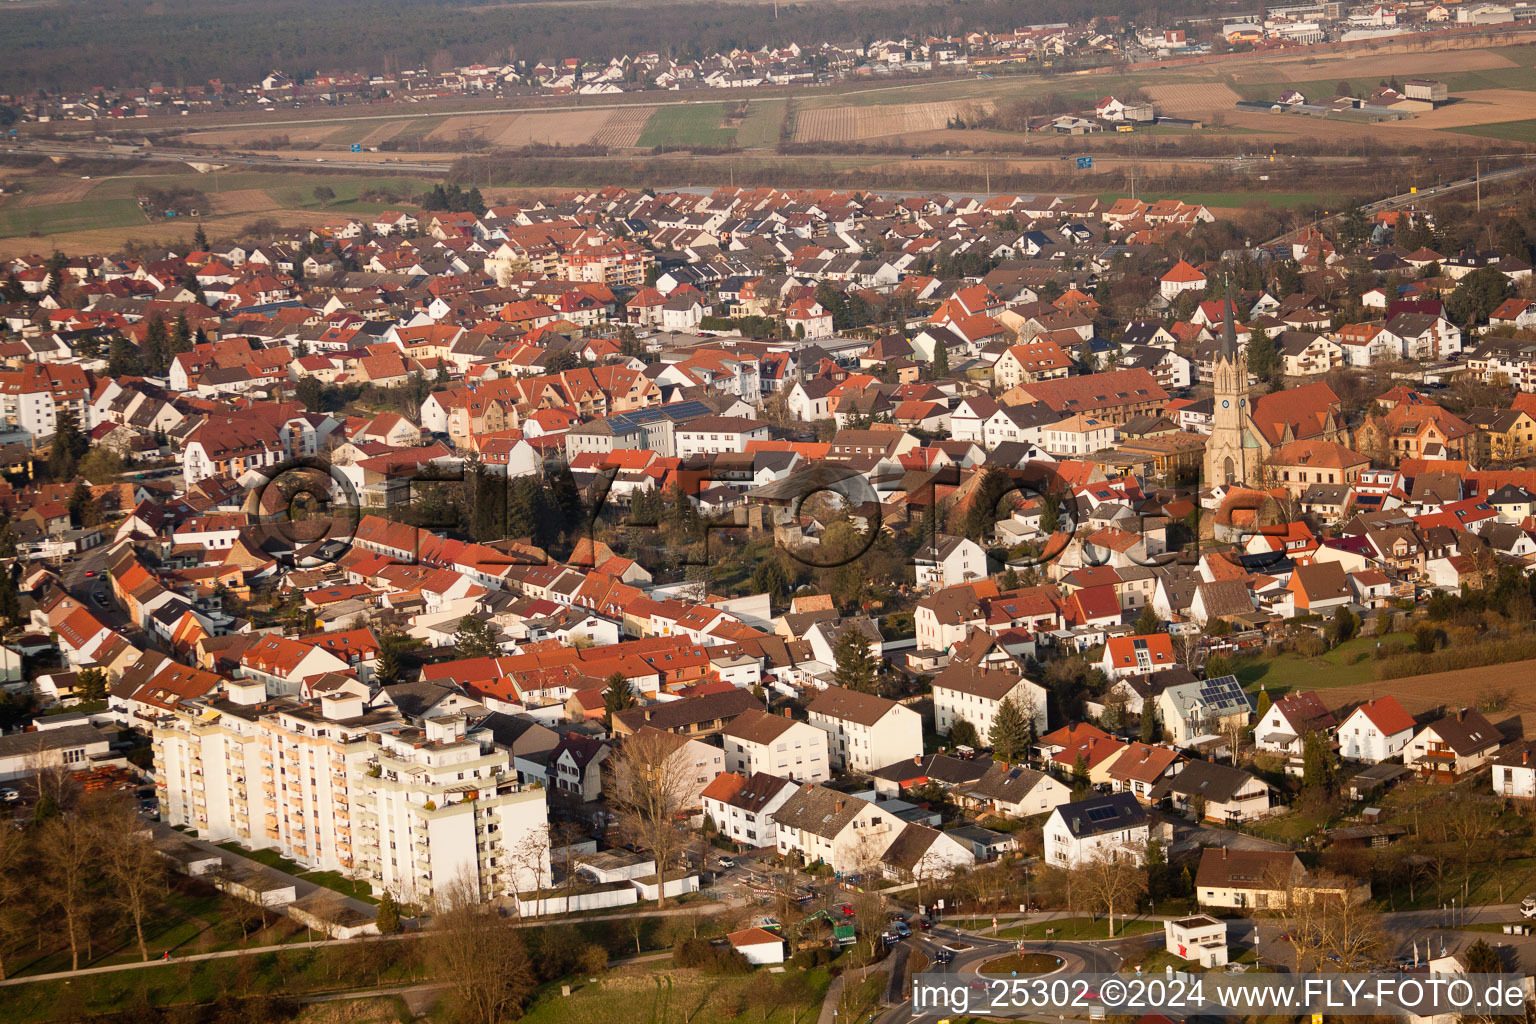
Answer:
x=1100 y=813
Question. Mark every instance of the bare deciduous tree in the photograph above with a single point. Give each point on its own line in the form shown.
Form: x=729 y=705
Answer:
x=651 y=786
x=1112 y=884
x=134 y=871
x=478 y=955
x=67 y=846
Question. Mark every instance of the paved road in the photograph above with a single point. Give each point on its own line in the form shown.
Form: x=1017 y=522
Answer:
x=1405 y=199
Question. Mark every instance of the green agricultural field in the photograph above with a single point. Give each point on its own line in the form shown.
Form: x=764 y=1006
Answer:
x=1072 y=928
x=760 y=129
x=299 y=194
x=1510 y=131
x=56 y=218
x=692 y=124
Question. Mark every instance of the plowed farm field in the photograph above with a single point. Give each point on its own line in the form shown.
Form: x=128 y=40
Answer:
x=1461 y=688
x=1386 y=65
x=838 y=124
x=1198 y=100
x=512 y=131
x=623 y=127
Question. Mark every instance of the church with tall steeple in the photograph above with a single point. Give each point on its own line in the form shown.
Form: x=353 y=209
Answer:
x=1235 y=452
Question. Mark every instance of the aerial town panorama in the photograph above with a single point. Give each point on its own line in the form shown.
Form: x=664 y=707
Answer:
x=760 y=513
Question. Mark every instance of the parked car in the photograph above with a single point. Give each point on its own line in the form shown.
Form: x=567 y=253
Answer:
x=9 y=795
x=1528 y=906
x=726 y=863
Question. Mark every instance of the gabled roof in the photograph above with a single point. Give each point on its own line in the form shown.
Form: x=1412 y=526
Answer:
x=1386 y=714
x=1113 y=813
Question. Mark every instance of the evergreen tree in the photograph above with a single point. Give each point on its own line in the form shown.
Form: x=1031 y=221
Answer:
x=68 y=445
x=157 y=348
x=13 y=290
x=1263 y=356
x=476 y=639
x=963 y=734
x=1010 y=731
x=388 y=916
x=1151 y=728
x=1262 y=707
x=489 y=519
x=181 y=338
x=940 y=359
x=565 y=496
x=855 y=665
x=200 y=239
x=91 y=684
x=82 y=506
x=1050 y=512
x=768 y=577
x=387 y=669
x=474 y=203
x=1080 y=779
x=1148 y=622
x=617 y=696
x=523 y=504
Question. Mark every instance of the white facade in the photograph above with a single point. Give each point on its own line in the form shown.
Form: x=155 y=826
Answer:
x=798 y=753
x=855 y=746
x=1360 y=739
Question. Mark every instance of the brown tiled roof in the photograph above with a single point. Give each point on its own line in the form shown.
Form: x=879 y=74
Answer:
x=851 y=705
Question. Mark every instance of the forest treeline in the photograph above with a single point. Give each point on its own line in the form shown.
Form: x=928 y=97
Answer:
x=182 y=42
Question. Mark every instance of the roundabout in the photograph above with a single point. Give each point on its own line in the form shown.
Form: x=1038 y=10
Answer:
x=1024 y=963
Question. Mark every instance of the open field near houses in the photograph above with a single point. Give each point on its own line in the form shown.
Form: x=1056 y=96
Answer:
x=838 y=124
x=77 y=215
x=1196 y=100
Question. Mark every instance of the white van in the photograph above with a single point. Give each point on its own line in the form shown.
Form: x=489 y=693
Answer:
x=1528 y=906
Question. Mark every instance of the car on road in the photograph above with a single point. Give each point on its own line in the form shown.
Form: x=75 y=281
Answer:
x=1528 y=906
x=725 y=863
x=902 y=929
x=9 y=795
x=847 y=908
x=943 y=956
x=90 y=574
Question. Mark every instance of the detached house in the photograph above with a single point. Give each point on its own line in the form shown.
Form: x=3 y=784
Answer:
x=743 y=808
x=1104 y=827
x=1215 y=792
x=824 y=826
x=1137 y=655
x=1514 y=772
x=1375 y=731
x=1284 y=727
x=1453 y=746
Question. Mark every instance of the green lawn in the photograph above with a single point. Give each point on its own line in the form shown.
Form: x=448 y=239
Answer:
x=1348 y=664
x=760 y=128
x=690 y=124
x=1070 y=928
x=296 y=194
x=56 y=218
x=334 y=880
x=291 y=973
x=1511 y=131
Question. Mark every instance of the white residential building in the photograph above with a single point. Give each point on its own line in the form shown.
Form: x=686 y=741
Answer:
x=866 y=732
x=757 y=741
x=1375 y=731
x=338 y=785
x=975 y=694
x=743 y=808
x=1110 y=826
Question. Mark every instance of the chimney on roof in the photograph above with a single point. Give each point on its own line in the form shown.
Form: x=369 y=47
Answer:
x=1525 y=756
x=1461 y=715
x=840 y=803
x=787 y=712
x=917 y=758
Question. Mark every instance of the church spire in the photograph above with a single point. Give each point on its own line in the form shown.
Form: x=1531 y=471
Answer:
x=1228 y=320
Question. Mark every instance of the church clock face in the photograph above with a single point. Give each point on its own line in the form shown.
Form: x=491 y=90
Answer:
x=1226 y=404
x=1242 y=402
